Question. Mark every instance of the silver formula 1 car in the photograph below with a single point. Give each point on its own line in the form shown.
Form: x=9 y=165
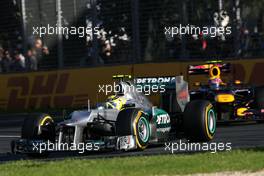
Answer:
x=126 y=121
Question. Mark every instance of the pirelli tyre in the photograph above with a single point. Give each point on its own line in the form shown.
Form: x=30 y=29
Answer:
x=259 y=100
x=133 y=121
x=199 y=121
x=259 y=97
x=38 y=127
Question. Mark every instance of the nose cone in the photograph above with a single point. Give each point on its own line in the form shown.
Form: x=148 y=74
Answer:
x=77 y=118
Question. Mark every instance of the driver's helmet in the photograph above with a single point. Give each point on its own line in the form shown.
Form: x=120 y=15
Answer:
x=118 y=92
x=111 y=98
x=117 y=100
x=215 y=78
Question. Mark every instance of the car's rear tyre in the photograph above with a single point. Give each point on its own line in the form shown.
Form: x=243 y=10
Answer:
x=133 y=121
x=259 y=100
x=259 y=97
x=199 y=121
x=38 y=127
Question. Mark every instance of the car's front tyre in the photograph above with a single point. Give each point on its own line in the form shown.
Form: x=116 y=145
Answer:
x=133 y=121
x=38 y=127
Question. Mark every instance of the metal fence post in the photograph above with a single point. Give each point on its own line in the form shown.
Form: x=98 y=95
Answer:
x=24 y=25
x=136 y=52
x=95 y=54
x=60 y=37
x=184 y=21
x=220 y=5
x=237 y=25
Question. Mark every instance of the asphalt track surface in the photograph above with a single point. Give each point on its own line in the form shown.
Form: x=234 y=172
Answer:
x=240 y=135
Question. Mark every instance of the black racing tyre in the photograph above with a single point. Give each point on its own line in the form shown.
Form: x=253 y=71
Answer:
x=133 y=121
x=259 y=97
x=259 y=100
x=38 y=127
x=199 y=121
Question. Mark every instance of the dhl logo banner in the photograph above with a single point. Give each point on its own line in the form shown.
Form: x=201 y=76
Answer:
x=41 y=91
x=72 y=88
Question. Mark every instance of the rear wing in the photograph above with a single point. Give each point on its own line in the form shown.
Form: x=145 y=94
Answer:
x=182 y=92
x=204 y=68
x=176 y=94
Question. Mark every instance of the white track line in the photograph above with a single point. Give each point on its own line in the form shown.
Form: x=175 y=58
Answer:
x=9 y=136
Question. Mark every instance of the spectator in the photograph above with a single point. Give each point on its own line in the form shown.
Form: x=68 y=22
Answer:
x=23 y=60
x=6 y=62
x=35 y=54
x=244 y=40
x=106 y=51
x=32 y=63
x=1 y=57
x=18 y=63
